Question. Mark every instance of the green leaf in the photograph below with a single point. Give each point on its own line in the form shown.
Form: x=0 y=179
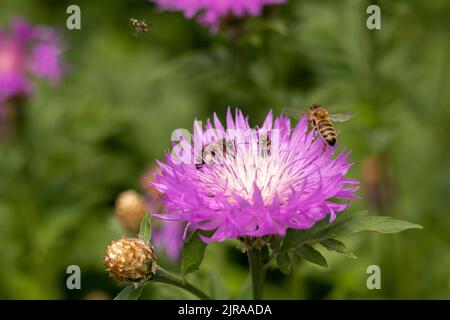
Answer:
x=275 y=245
x=312 y=255
x=361 y=222
x=296 y=238
x=130 y=292
x=193 y=253
x=338 y=246
x=146 y=229
x=284 y=262
x=384 y=224
x=346 y=223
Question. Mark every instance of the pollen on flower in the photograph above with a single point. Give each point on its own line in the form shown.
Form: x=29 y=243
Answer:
x=274 y=176
x=129 y=260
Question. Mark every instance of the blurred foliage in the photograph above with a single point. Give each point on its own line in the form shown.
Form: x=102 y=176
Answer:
x=87 y=140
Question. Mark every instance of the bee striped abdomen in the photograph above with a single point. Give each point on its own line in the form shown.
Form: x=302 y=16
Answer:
x=327 y=131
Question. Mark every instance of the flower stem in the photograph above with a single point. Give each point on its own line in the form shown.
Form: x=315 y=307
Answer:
x=257 y=271
x=163 y=276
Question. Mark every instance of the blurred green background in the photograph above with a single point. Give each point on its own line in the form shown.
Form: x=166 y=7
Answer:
x=92 y=137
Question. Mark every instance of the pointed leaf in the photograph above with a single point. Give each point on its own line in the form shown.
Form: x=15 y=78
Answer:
x=345 y=223
x=193 y=253
x=360 y=223
x=275 y=245
x=146 y=230
x=385 y=224
x=130 y=292
x=338 y=246
x=295 y=238
x=312 y=255
x=284 y=262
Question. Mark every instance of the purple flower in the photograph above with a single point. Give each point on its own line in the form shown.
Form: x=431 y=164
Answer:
x=27 y=50
x=168 y=237
x=211 y=12
x=292 y=184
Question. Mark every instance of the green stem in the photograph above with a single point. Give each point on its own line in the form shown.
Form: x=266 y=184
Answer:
x=163 y=276
x=257 y=271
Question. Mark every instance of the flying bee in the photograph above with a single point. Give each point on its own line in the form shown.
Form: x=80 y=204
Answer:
x=139 y=25
x=320 y=121
x=215 y=152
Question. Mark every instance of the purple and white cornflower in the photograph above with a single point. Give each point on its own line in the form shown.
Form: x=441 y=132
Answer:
x=212 y=12
x=254 y=194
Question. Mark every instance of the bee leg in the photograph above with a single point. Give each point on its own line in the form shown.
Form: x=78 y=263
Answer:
x=315 y=135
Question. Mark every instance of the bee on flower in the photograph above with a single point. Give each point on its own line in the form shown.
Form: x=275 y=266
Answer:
x=256 y=194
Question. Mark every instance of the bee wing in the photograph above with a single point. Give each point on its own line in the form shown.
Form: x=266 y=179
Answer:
x=341 y=117
x=293 y=113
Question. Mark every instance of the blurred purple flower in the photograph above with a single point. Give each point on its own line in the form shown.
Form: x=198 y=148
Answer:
x=166 y=236
x=45 y=62
x=211 y=12
x=27 y=50
x=256 y=193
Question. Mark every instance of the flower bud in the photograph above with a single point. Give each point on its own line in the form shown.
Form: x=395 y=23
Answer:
x=129 y=260
x=131 y=208
x=146 y=180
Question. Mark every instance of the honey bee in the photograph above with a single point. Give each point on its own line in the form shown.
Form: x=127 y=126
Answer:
x=320 y=121
x=265 y=145
x=139 y=25
x=215 y=152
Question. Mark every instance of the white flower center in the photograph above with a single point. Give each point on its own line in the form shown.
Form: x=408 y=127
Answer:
x=275 y=174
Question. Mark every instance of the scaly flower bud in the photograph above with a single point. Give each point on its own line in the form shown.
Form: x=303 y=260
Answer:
x=131 y=208
x=129 y=260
